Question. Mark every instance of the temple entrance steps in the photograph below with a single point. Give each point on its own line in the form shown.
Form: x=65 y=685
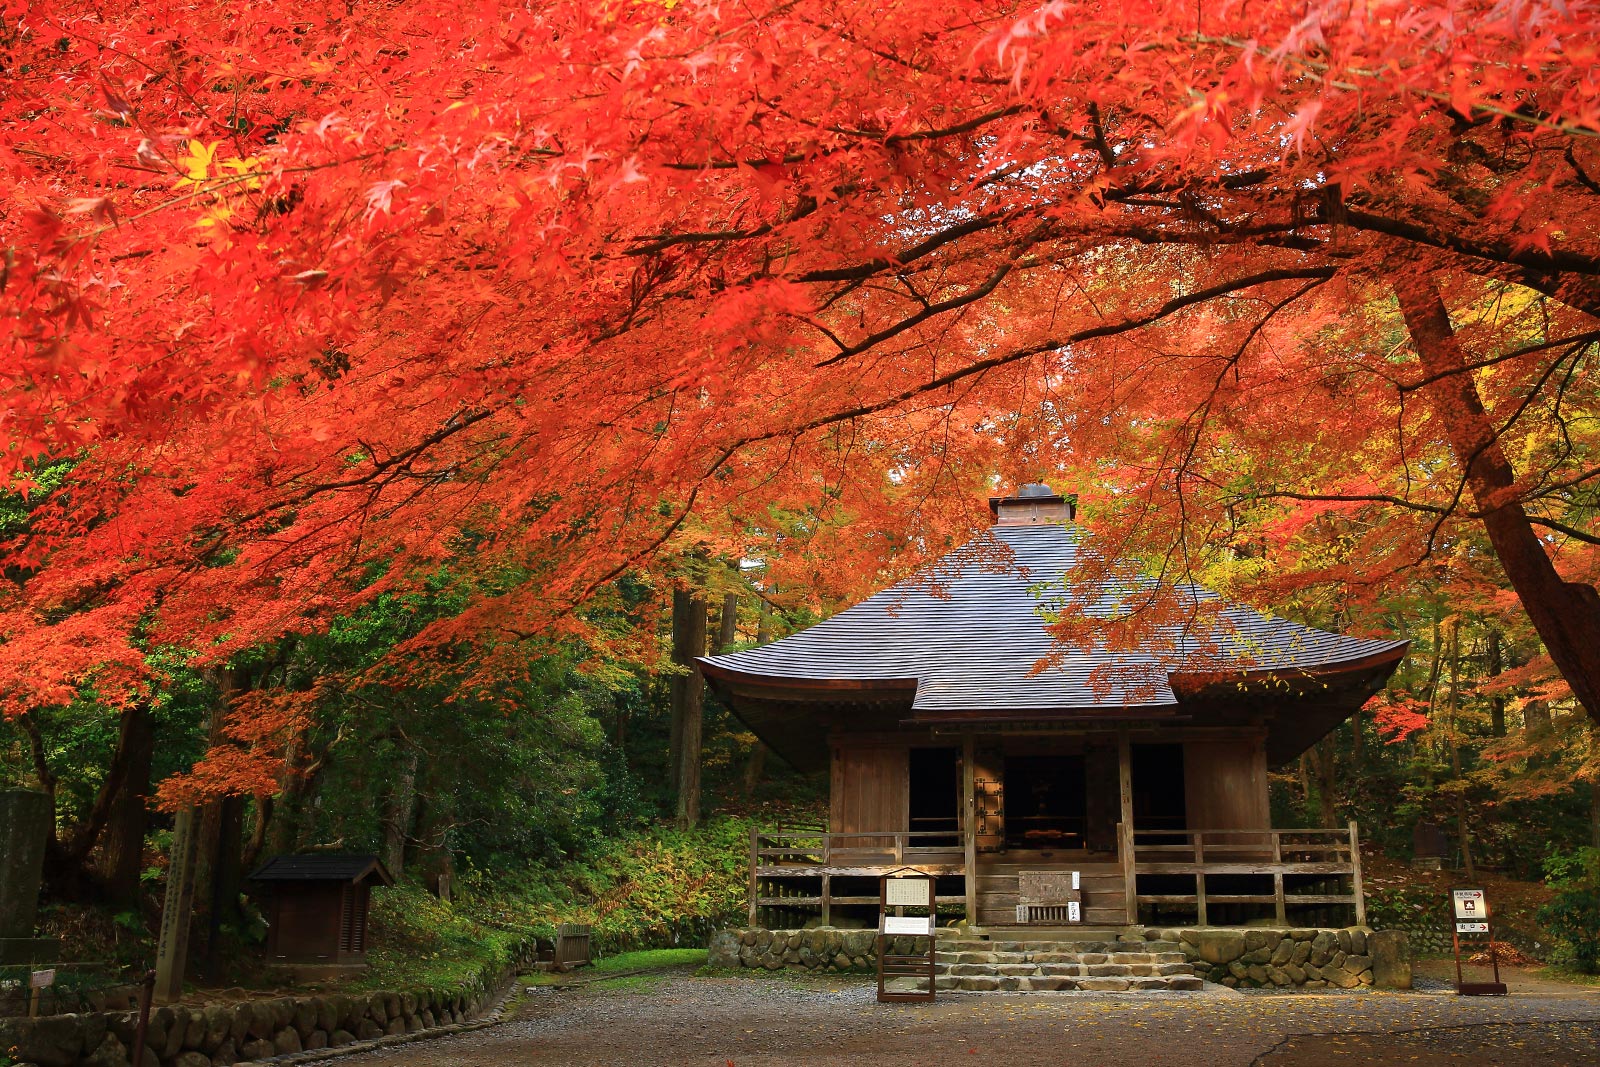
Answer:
x=1030 y=963
x=1102 y=885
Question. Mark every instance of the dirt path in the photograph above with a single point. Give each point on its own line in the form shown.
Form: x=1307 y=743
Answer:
x=744 y=1022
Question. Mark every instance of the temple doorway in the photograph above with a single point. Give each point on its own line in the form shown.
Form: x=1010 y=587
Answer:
x=1046 y=802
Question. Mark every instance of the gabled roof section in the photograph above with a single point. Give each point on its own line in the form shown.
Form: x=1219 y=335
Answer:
x=323 y=867
x=967 y=634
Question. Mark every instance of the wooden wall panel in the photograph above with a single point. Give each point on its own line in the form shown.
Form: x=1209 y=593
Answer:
x=1225 y=785
x=870 y=789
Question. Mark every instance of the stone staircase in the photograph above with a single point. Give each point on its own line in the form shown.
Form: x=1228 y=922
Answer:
x=1034 y=962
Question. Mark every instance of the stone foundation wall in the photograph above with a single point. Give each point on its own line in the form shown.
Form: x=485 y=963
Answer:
x=220 y=1034
x=1256 y=958
x=820 y=949
x=1238 y=958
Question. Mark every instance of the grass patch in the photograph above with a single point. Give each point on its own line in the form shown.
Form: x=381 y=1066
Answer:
x=653 y=958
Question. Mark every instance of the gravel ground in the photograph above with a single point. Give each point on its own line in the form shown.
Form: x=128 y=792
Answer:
x=789 y=1022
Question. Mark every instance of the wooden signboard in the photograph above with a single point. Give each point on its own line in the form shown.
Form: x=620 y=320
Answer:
x=896 y=893
x=1471 y=908
x=1049 y=896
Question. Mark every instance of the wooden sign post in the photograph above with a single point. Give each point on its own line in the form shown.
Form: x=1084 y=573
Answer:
x=898 y=892
x=1471 y=908
x=172 y=949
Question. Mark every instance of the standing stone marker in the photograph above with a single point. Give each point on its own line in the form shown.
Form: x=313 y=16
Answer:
x=24 y=825
x=172 y=948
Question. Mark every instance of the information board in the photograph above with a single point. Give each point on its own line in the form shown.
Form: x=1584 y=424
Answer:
x=920 y=925
x=908 y=893
x=1470 y=903
x=1471 y=908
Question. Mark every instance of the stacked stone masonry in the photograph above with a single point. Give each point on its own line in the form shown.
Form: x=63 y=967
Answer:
x=1306 y=958
x=1135 y=960
x=220 y=1034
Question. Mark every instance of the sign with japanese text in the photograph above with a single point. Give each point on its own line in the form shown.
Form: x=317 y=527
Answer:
x=909 y=893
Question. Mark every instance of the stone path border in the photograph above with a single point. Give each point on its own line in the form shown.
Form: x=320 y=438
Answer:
x=493 y=1017
x=1262 y=1060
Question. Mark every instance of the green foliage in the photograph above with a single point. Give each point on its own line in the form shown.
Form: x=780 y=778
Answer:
x=418 y=941
x=654 y=888
x=1406 y=906
x=1573 y=916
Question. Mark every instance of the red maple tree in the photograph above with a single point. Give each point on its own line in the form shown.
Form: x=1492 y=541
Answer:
x=313 y=297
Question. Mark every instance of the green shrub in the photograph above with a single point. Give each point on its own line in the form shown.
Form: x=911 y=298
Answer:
x=1407 y=906
x=1573 y=916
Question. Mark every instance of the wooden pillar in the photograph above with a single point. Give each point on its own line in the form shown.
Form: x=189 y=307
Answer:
x=1200 y=878
x=755 y=860
x=1125 y=842
x=1355 y=875
x=969 y=825
x=172 y=950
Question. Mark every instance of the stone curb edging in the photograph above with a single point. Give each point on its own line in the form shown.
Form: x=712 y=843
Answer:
x=213 y=1035
x=494 y=1017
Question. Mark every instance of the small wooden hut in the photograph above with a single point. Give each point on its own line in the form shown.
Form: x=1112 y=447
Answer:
x=317 y=907
x=1144 y=773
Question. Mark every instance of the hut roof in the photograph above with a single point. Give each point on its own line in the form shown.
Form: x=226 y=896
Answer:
x=322 y=867
x=965 y=640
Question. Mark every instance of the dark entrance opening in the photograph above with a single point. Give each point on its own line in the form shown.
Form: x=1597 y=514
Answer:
x=1046 y=802
x=1158 y=788
x=935 y=800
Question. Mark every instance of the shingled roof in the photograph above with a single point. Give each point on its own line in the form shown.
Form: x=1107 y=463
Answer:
x=322 y=867
x=962 y=642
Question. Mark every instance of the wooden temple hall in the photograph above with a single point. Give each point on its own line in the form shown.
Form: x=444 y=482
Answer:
x=951 y=755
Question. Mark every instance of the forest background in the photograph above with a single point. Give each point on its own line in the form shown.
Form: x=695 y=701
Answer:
x=397 y=398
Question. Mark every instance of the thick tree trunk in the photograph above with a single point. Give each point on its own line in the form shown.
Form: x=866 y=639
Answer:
x=728 y=630
x=1565 y=614
x=219 y=878
x=756 y=765
x=122 y=856
x=397 y=814
x=41 y=771
x=258 y=831
x=688 y=697
x=1327 y=782
x=431 y=858
x=1495 y=667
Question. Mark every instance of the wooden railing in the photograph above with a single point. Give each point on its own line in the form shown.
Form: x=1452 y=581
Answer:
x=776 y=856
x=1322 y=854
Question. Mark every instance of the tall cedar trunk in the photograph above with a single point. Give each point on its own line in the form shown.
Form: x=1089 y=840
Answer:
x=122 y=854
x=1497 y=701
x=430 y=841
x=688 y=699
x=402 y=801
x=42 y=772
x=1453 y=707
x=1565 y=614
x=1594 y=785
x=728 y=630
x=1327 y=782
x=221 y=843
x=757 y=763
x=258 y=831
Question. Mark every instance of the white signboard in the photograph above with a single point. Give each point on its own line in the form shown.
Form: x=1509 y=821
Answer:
x=1075 y=880
x=909 y=892
x=1472 y=928
x=1470 y=905
x=42 y=979
x=1074 y=909
x=908 y=924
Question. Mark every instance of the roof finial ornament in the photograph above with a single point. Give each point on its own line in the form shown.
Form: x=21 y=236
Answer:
x=1032 y=504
